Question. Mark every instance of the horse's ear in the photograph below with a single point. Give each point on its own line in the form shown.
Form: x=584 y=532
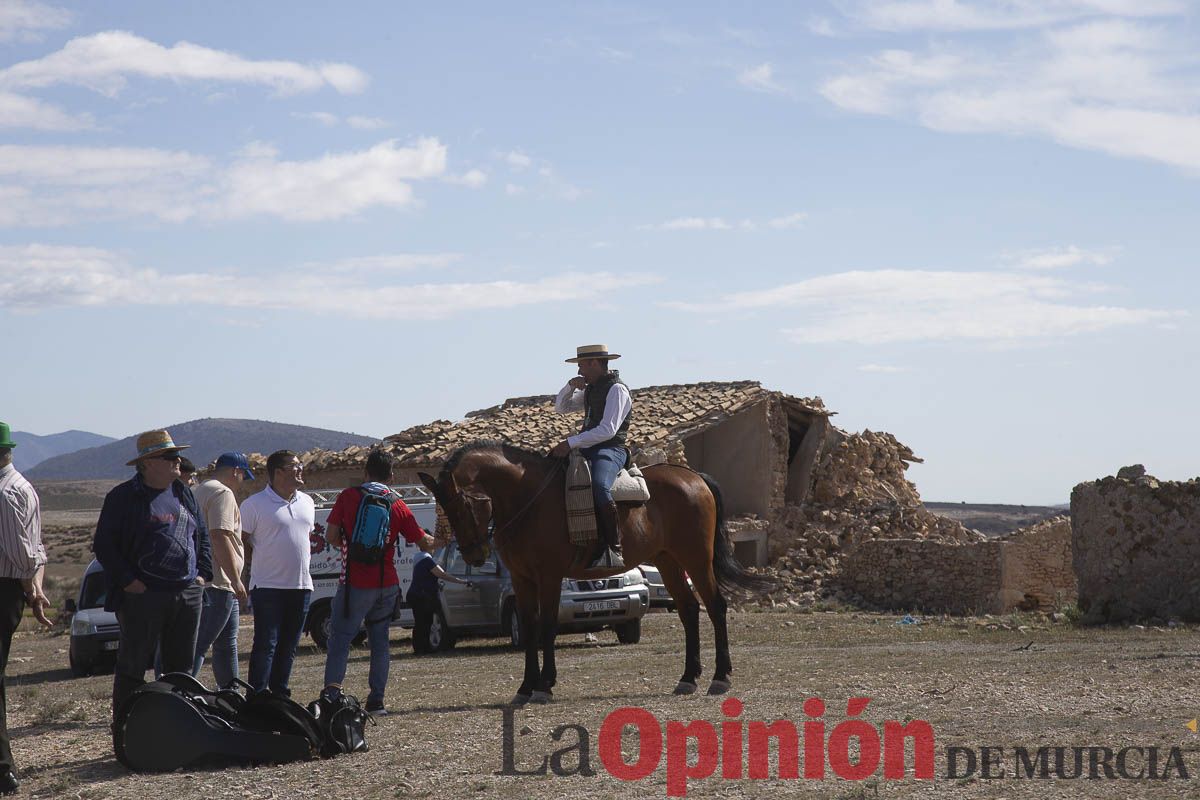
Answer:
x=429 y=482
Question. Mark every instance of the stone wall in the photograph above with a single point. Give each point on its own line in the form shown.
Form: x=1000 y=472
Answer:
x=926 y=575
x=1137 y=547
x=1038 y=571
x=1029 y=570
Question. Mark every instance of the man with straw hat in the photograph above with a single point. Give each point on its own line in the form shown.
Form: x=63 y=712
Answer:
x=22 y=559
x=153 y=545
x=607 y=406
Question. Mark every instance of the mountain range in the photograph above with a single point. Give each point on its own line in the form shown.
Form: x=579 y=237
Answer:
x=208 y=439
x=32 y=449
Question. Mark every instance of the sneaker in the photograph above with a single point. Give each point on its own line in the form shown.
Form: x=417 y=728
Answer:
x=377 y=710
x=331 y=694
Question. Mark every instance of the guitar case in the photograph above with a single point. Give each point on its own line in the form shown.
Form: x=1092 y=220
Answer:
x=167 y=724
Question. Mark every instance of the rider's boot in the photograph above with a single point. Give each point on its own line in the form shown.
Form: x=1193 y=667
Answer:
x=610 y=537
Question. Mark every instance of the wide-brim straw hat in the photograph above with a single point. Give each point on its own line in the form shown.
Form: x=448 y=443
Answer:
x=592 y=351
x=155 y=443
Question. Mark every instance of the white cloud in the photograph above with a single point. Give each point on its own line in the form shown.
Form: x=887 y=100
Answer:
x=996 y=15
x=104 y=62
x=760 y=79
x=41 y=276
x=882 y=369
x=19 y=111
x=1060 y=257
x=512 y=189
x=786 y=222
x=886 y=306
x=323 y=117
x=518 y=160
x=57 y=185
x=25 y=20
x=366 y=123
x=395 y=262
x=473 y=179
x=1107 y=84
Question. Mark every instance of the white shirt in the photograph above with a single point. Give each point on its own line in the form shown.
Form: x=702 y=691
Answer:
x=279 y=531
x=21 y=549
x=617 y=405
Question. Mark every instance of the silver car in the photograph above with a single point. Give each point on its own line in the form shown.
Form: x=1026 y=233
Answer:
x=489 y=607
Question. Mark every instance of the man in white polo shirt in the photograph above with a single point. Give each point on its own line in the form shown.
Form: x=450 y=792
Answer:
x=277 y=523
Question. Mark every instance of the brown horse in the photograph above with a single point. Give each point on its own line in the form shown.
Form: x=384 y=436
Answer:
x=681 y=528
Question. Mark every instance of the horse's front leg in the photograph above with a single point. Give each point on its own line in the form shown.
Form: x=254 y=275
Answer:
x=549 y=599
x=527 y=614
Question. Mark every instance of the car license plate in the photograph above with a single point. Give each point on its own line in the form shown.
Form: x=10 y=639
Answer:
x=111 y=645
x=602 y=605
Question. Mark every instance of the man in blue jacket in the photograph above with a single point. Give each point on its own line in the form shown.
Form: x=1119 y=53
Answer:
x=156 y=555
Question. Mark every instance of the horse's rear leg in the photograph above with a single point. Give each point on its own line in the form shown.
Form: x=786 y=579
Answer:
x=714 y=602
x=527 y=612
x=688 y=609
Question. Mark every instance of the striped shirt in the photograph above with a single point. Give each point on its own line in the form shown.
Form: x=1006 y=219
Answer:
x=21 y=549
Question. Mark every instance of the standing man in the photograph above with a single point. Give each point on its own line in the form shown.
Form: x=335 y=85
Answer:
x=22 y=559
x=423 y=593
x=369 y=587
x=220 y=617
x=277 y=523
x=607 y=407
x=154 y=548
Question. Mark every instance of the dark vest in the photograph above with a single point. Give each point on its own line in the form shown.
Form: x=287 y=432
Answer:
x=594 y=398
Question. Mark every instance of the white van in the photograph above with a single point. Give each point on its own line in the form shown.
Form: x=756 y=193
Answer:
x=325 y=565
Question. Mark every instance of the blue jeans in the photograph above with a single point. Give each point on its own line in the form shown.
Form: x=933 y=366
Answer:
x=375 y=607
x=219 y=628
x=605 y=462
x=278 y=622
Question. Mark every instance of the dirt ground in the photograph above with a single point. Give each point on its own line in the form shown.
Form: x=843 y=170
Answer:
x=1000 y=682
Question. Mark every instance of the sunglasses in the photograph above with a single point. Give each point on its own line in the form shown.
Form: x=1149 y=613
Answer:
x=167 y=458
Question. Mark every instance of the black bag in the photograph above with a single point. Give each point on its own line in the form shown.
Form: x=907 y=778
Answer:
x=166 y=724
x=343 y=723
x=269 y=712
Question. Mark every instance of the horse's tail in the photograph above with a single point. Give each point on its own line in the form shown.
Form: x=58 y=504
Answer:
x=731 y=575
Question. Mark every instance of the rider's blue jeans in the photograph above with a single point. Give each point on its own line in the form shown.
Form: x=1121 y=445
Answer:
x=605 y=463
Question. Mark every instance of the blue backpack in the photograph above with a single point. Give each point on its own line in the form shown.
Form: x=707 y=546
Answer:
x=371 y=524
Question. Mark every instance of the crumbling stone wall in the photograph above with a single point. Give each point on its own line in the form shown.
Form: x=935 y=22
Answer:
x=1027 y=571
x=1038 y=571
x=1136 y=547
x=927 y=575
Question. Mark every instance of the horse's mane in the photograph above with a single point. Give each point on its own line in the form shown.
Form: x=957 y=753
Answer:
x=512 y=452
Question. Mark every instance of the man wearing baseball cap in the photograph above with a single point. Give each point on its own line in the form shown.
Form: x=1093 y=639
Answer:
x=153 y=545
x=220 y=617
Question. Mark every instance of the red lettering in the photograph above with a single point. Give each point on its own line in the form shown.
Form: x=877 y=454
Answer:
x=868 y=744
x=787 y=749
x=649 y=737
x=894 y=734
x=814 y=739
x=731 y=740
x=678 y=769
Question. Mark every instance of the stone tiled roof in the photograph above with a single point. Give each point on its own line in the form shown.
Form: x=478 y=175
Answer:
x=661 y=414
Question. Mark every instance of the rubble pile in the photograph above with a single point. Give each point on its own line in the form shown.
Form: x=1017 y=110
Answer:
x=859 y=493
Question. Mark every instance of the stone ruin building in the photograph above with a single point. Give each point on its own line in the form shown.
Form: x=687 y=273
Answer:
x=1136 y=544
x=827 y=512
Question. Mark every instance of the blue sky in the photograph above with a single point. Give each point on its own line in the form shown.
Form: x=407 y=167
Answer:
x=972 y=224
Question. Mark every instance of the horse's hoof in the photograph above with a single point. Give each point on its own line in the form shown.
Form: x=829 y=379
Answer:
x=685 y=687
x=519 y=699
x=719 y=687
x=541 y=698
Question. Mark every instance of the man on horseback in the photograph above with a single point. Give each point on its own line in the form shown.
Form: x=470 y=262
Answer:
x=607 y=407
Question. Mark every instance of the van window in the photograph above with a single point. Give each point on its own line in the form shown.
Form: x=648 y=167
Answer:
x=455 y=564
x=488 y=567
x=92 y=593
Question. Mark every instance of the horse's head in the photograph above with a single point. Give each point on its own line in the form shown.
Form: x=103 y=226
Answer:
x=469 y=513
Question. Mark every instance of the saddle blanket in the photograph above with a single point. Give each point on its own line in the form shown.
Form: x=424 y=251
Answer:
x=629 y=487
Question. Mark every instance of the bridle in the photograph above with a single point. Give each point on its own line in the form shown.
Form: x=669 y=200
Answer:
x=496 y=531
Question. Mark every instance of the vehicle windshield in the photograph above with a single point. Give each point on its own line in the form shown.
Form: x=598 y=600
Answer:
x=91 y=594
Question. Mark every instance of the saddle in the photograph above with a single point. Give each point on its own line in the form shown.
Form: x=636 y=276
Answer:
x=629 y=489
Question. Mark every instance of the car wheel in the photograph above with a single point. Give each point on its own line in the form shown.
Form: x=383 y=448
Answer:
x=80 y=669
x=516 y=633
x=441 y=638
x=629 y=632
x=319 y=624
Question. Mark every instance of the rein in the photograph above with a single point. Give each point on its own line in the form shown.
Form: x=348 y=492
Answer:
x=545 y=485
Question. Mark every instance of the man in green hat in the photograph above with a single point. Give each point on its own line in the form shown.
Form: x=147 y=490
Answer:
x=22 y=559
